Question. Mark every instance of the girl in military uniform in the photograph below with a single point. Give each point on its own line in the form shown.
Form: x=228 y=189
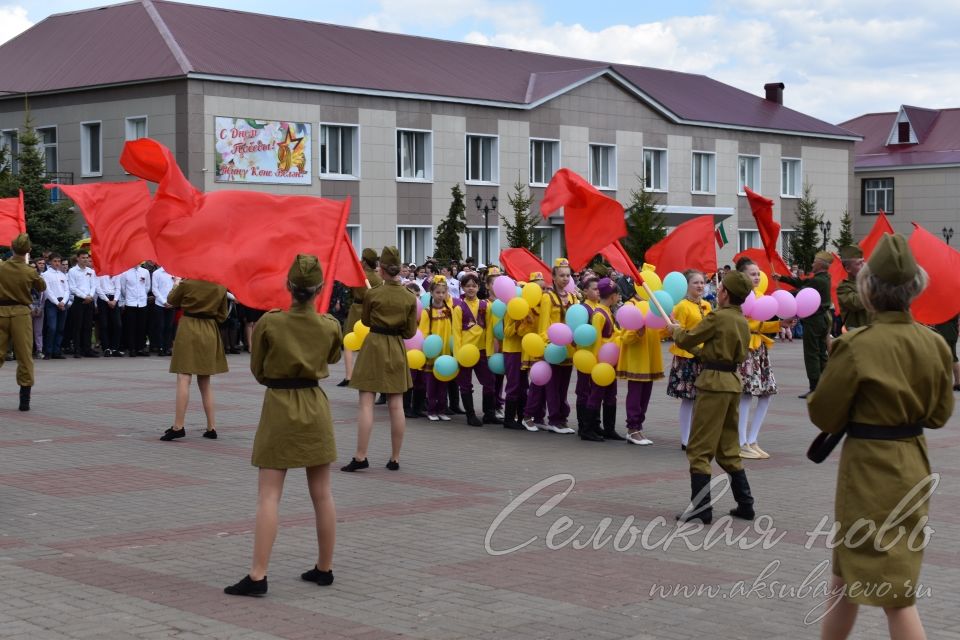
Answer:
x=883 y=385
x=685 y=368
x=368 y=259
x=289 y=353
x=641 y=362
x=553 y=308
x=197 y=348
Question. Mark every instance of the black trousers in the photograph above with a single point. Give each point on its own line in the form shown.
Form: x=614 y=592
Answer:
x=108 y=321
x=161 y=328
x=135 y=328
x=80 y=323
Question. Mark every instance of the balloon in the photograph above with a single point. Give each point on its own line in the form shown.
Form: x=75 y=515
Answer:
x=468 y=355
x=495 y=362
x=555 y=353
x=416 y=342
x=518 y=308
x=666 y=301
x=653 y=281
x=425 y=300
x=519 y=291
x=419 y=307
x=432 y=346
x=764 y=283
x=808 y=301
x=505 y=288
x=577 y=315
x=447 y=378
x=533 y=345
x=609 y=353
x=584 y=360
x=747 y=306
x=498 y=330
x=603 y=374
x=571 y=287
x=630 y=317
x=675 y=284
x=786 y=304
x=498 y=308
x=560 y=334
x=585 y=335
x=654 y=321
x=532 y=293
x=540 y=373
x=416 y=359
x=445 y=366
x=360 y=329
x=352 y=341
x=764 y=308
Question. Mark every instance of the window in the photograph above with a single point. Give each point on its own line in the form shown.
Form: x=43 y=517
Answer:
x=544 y=160
x=414 y=243
x=546 y=236
x=339 y=150
x=91 y=155
x=353 y=232
x=903 y=132
x=703 y=173
x=749 y=238
x=655 y=169
x=9 y=140
x=48 y=147
x=790 y=178
x=603 y=166
x=749 y=173
x=136 y=127
x=877 y=194
x=414 y=155
x=786 y=244
x=476 y=246
x=482 y=163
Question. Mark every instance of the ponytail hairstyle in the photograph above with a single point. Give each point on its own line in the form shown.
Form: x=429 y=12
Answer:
x=690 y=273
x=743 y=263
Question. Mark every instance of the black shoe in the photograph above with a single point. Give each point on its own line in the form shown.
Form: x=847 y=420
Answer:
x=683 y=447
x=956 y=387
x=343 y=383
x=91 y=354
x=472 y=419
x=210 y=433
x=58 y=356
x=108 y=353
x=132 y=354
x=171 y=434
x=356 y=465
x=803 y=396
x=741 y=493
x=700 y=507
x=393 y=465
x=587 y=428
x=322 y=578
x=247 y=587
x=144 y=353
x=25 y=398
x=77 y=355
x=609 y=423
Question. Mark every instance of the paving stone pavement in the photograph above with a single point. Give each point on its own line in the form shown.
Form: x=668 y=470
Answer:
x=105 y=532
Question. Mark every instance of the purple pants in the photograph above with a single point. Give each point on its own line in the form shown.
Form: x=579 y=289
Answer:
x=419 y=379
x=484 y=376
x=516 y=385
x=584 y=383
x=436 y=394
x=536 y=403
x=638 y=399
x=499 y=390
x=602 y=395
x=557 y=389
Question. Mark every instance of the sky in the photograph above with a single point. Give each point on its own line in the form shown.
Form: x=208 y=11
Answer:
x=838 y=58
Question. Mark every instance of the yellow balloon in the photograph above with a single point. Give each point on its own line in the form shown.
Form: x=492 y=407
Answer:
x=518 y=308
x=603 y=374
x=445 y=378
x=532 y=293
x=468 y=355
x=352 y=341
x=652 y=280
x=360 y=329
x=416 y=359
x=584 y=360
x=644 y=307
x=764 y=283
x=533 y=345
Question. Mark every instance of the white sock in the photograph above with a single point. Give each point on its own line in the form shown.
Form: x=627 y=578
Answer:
x=763 y=403
x=744 y=417
x=686 y=419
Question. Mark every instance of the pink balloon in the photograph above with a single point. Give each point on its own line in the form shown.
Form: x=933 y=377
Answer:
x=571 y=287
x=747 y=305
x=419 y=308
x=786 y=304
x=808 y=301
x=560 y=333
x=540 y=373
x=416 y=342
x=764 y=308
x=609 y=353
x=505 y=288
x=653 y=321
x=630 y=317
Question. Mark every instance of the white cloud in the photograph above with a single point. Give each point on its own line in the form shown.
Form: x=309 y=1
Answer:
x=13 y=21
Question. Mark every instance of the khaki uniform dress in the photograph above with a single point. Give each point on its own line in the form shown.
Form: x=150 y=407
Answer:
x=894 y=372
x=17 y=278
x=296 y=429
x=725 y=336
x=382 y=362
x=198 y=349
x=852 y=311
x=359 y=293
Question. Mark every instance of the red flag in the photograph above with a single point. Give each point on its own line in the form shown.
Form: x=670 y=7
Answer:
x=116 y=213
x=591 y=219
x=769 y=228
x=939 y=301
x=348 y=269
x=880 y=227
x=13 y=222
x=620 y=260
x=689 y=246
x=519 y=263
x=837 y=275
x=244 y=240
x=759 y=256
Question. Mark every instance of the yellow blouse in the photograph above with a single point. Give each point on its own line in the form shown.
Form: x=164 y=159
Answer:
x=688 y=315
x=641 y=359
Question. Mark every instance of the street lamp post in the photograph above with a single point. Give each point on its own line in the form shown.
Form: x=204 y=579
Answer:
x=486 y=207
x=825 y=232
x=947 y=233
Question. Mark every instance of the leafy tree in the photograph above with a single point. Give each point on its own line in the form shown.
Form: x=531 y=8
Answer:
x=806 y=240
x=520 y=232
x=845 y=238
x=645 y=223
x=450 y=230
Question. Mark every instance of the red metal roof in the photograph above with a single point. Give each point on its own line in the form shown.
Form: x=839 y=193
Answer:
x=151 y=39
x=937 y=131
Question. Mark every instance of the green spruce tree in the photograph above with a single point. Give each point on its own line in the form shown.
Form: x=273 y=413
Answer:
x=645 y=223
x=450 y=230
x=8 y=186
x=845 y=237
x=806 y=240
x=520 y=231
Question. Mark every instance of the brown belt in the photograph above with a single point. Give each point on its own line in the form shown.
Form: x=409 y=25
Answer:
x=199 y=316
x=883 y=432
x=728 y=367
x=11 y=303
x=386 y=331
x=290 y=383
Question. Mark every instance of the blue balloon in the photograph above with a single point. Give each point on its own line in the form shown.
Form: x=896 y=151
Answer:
x=555 y=353
x=425 y=300
x=676 y=285
x=498 y=330
x=499 y=308
x=665 y=299
x=577 y=315
x=432 y=346
x=495 y=362
x=446 y=366
x=519 y=291
x=585 y=335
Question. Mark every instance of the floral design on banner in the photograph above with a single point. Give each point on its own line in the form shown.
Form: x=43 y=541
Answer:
x=262 y=151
